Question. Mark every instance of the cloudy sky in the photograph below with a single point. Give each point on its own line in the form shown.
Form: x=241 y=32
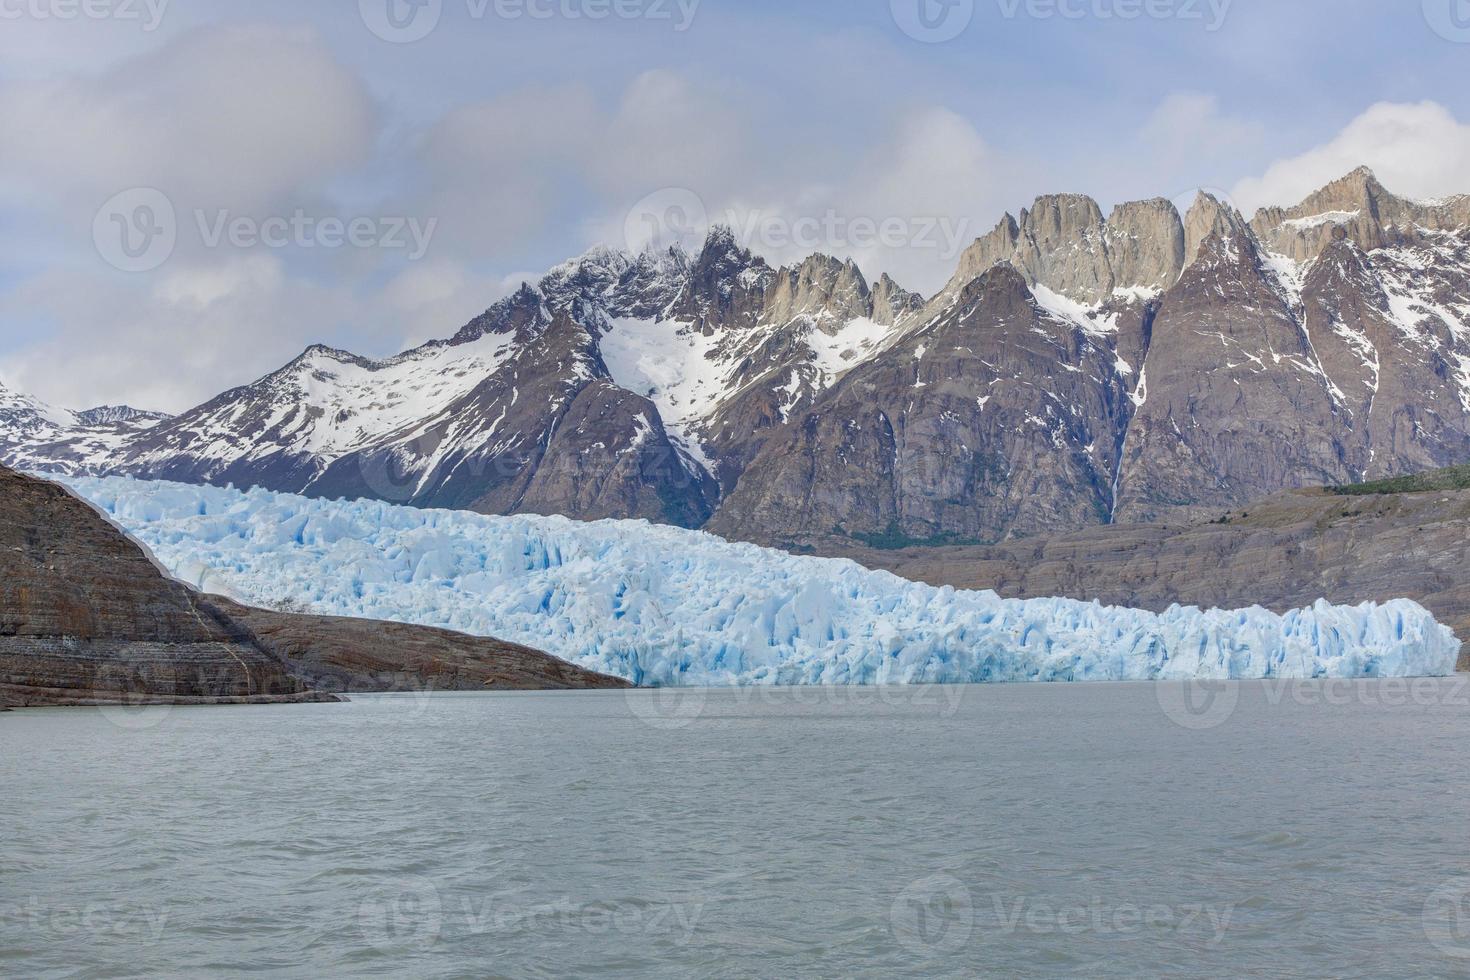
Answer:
x=192 y=191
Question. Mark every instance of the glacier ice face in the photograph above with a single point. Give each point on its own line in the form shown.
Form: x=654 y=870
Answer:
x=664 y=606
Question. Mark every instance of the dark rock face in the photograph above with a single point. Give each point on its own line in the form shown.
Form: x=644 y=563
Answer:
x=1283 y=552
x=773 y=372
x=726 y=286
x=995 y=418
x=1233 y=404
x=365 y=656
x=85 y=615
x=547 y=433
x=86 y=618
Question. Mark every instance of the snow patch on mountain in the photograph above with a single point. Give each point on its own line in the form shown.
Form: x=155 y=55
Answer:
x=1289 y=275
x=31 y=412
x=1090 y=319
x=329 y=403
x=845 y=348
x=1326 y=218
x=34 y=433
x=674 y=366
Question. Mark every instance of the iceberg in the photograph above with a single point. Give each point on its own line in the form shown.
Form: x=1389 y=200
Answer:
x=662 y=606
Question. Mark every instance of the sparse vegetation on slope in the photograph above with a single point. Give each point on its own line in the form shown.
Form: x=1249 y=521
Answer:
x=1450 y=478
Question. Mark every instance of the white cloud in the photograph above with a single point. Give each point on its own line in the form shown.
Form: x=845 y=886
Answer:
x=937 y=172
x=194 y=333
x=533 y=162
x=1416 y=150
x=239 y=118
x=924 y=190
x=430 y=300
x=250 y=119
x=1189 y=132
x=669 y=130
x=927 y=189
x=495 y=170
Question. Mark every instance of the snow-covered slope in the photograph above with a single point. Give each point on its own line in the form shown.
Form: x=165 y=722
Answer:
x=325 y=404
x=664 y=606
x=33 y=433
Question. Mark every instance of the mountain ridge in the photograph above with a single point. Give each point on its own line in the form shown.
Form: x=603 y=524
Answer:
x=1141 y=365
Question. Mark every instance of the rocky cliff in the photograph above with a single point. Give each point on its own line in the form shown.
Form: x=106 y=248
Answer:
x=363 y=656
x=86 y=618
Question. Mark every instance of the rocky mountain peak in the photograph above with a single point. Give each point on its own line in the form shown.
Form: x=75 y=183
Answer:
x=319 y=352
x=592 y=274
x=719 y=238
x=1064 y=243
x=1060 y=217
x=1209 y=216
x=725 y=286
x=1062 y=246
x=519 y=313
x=892 y=303
x=1364 y=210
x=1358 y=189
x=667 y=262
x=1146 y=244
x=996 y=246
x=822 y=287
x=118 y=415
x=23 y=413
x=1002 y=287
x=722 y=255
x=652 y=282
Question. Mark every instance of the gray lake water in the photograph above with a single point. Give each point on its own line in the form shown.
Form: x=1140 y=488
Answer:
x=1086 y=830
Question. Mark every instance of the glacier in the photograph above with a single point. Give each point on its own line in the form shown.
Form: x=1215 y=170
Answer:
x=662 y=606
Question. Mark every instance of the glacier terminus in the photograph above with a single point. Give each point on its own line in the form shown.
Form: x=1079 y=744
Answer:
x=665 y=606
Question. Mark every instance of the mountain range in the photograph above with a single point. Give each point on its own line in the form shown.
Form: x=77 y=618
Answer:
x=1077 y=370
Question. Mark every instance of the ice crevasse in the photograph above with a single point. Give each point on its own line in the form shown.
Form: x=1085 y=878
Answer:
x=665 y=606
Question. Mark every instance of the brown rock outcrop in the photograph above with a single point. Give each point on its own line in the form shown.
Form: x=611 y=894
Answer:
x=365 y=656
x=87 y=618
